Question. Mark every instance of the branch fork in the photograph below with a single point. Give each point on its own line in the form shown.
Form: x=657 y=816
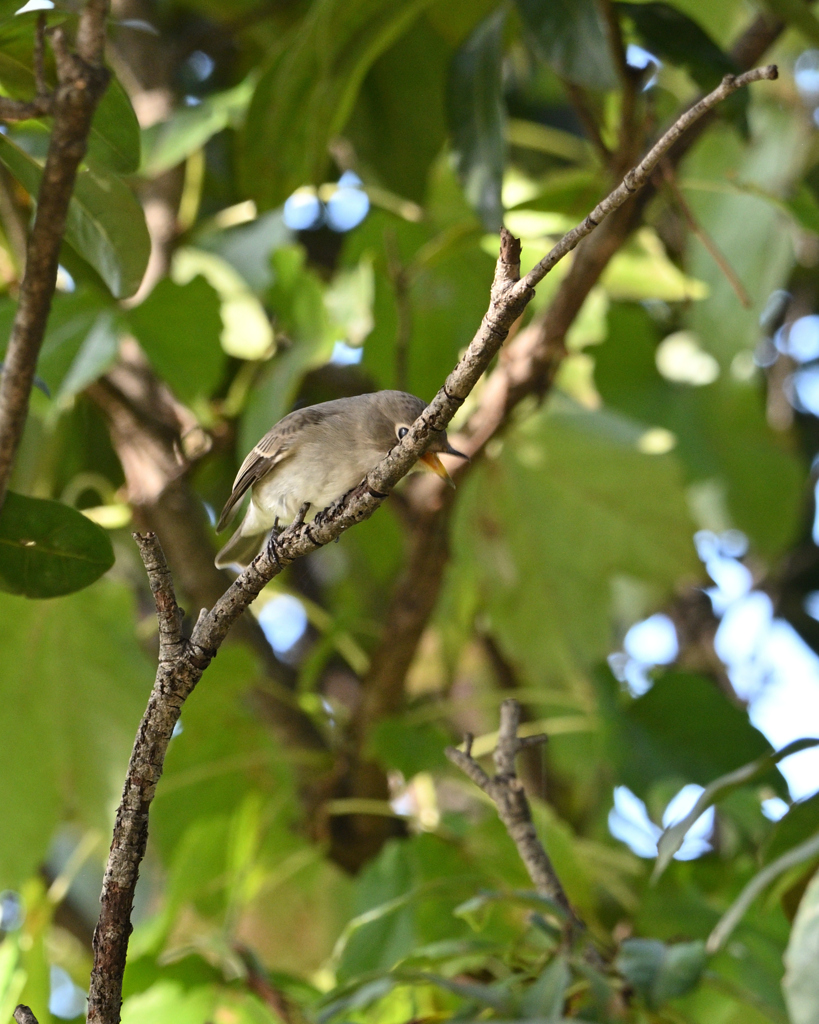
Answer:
x=507 y=793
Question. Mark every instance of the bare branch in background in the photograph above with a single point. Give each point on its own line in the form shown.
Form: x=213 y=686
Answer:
x=506 y=791
x=82 y=79
x=699 y=231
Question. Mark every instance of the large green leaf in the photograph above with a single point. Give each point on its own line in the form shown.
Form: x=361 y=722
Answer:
x=587 y=506
x=115 y=138
x=684 y=727
x=801 y=982
x=476 y=118
x=306 y=95
x=179 y=325
x=48 y=549
x=74 y=681
x=570 y=36
x=105 y=225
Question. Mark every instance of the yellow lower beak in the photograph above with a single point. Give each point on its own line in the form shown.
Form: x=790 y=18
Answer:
x=432 y=462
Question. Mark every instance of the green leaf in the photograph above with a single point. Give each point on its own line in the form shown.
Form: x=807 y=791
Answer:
x=660 y=972
x=603 y=509
x=168 y=143
x=106 y=225
x=672 y=838
x=476 y=118
x=570 y=36
x=48 y=549
x=306 y=95
x=409 y=748
x=544 y=999
x=96 y=354
x=801 y=981
x=179 y=326
x=684 y=727
x=77 y=680
x=717 y=427
x=114 y=140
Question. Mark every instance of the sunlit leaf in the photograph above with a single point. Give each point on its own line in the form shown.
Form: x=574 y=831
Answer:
x=48 y=549
x=168 y=143
x=106 y=225
x=476 y=118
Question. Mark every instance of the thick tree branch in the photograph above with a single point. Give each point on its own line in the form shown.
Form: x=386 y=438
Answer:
x=177 y=677
x=506 y=791
x=82 y=80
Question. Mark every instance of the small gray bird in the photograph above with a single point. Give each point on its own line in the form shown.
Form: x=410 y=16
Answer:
x=314 y=456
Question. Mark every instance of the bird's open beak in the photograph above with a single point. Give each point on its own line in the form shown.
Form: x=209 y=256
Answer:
x=432 y=462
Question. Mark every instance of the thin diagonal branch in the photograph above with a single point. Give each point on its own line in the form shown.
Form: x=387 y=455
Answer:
x=699 y=231
x=25 y=110
x=176 y=679
x=506 y=791
x=82 y=79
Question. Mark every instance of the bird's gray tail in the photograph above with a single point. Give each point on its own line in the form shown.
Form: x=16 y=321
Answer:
x=240 y=551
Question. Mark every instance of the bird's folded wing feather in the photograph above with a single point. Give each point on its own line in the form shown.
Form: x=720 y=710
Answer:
x=273 y=447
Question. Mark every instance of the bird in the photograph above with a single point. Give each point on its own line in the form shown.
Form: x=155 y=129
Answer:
x=313 y=456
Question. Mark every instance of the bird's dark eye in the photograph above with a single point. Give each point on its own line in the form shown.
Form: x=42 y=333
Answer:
x=402 y=432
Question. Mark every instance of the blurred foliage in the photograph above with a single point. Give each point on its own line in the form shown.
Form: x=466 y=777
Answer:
x=455 y=116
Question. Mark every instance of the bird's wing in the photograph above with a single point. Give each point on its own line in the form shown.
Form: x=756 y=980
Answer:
x=269 y=452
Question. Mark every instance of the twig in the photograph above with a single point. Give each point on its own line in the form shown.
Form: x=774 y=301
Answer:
x=698 y=230
x=400 y=280
x=176 y=678
x=506 y=791
x=82 y=79
x=584 y=112
x=23 y=1015
x=24 y=110
x=168 y=613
